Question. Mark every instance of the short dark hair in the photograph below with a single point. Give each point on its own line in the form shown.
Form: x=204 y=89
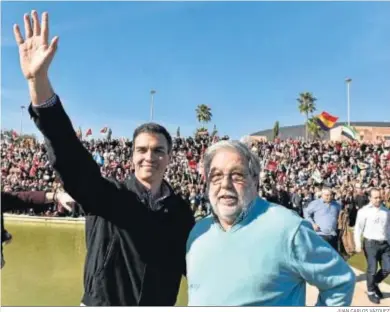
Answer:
x=153 y=128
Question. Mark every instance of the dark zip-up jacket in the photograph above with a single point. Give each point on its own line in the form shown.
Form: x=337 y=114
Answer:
x=135 y=246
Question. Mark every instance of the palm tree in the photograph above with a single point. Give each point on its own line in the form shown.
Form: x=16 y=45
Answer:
x=203 y=114
x=314 y=129
x=276 y=130
x=306 y=106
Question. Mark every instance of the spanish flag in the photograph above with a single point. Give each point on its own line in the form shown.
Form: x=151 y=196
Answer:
x=326 y=121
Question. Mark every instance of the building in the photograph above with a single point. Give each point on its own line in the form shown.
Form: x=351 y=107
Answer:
x=368 y=131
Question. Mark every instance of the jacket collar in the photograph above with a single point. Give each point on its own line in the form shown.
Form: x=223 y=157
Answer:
x=146 y=197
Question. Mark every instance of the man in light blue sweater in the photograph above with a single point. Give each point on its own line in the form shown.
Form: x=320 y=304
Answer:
x=254 y=253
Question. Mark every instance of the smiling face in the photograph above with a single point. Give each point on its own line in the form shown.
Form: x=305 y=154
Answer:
x=150 y=157
x=231 y=188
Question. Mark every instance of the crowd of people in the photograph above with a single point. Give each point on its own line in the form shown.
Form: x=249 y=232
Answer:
x=293 y=171
x=141 y=237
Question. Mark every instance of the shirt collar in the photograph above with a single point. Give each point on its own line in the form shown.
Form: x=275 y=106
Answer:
x=144 y=194
x=377 y=208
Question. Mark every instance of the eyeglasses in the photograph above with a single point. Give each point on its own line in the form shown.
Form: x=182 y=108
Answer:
x=237 y=177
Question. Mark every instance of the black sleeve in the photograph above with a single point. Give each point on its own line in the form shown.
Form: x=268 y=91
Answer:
x=3 y=231
x=188 y=224
x=79 y=173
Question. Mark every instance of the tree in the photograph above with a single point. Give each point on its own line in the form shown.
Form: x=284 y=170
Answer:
x=307 y=105
x=203 y=114
x=276 y=130
x=314 y=129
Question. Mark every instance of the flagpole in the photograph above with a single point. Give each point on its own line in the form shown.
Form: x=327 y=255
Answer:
x=21 y=119
x=348 y=81
x=152 y=93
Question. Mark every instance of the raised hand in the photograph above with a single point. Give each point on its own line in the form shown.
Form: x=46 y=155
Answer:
x=35 y=52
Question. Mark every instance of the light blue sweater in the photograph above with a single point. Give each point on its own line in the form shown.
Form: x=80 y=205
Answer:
x=265 y=260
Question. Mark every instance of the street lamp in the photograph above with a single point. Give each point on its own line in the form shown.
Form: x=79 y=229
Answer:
x=152 y=93
x=348 y=81
x=21 y=118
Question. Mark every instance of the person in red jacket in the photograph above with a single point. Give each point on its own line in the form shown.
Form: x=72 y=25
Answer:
x=26 y=200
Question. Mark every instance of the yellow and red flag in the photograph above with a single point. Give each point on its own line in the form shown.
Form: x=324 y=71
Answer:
x=326 y=121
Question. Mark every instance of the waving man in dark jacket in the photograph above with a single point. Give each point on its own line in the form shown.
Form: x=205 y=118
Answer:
x=137 y=230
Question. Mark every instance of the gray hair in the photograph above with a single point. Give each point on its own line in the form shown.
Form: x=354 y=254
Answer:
x=326 y=189
x=252 y=160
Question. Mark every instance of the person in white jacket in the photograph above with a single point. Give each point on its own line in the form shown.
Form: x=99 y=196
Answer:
x=373 y=222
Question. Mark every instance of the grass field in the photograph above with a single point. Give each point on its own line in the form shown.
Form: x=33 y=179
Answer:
x=359 y=262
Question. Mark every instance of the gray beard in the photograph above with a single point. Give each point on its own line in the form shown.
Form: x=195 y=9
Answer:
x=245 y=204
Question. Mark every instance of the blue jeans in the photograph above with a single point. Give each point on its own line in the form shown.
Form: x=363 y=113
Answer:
x=376 y=252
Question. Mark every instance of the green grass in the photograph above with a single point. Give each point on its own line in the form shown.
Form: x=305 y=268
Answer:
x=358 y=261
x=182 y=297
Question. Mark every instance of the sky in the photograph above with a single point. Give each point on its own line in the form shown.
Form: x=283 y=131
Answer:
x=248 y=61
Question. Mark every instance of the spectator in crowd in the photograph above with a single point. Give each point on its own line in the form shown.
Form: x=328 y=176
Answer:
x=323 y=214
x=360 y=198
x=254 y=253
x=373 y=223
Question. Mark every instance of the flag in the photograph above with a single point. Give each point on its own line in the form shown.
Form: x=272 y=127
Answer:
x=104 y=130
x=317 y=176
x=349 y=132
x=326 y=121
x=89 y=132
x=272 y=165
